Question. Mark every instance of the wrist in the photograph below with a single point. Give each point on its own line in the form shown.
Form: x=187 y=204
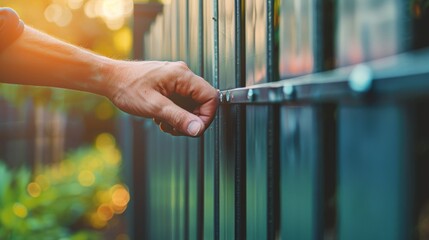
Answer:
x=108 y=77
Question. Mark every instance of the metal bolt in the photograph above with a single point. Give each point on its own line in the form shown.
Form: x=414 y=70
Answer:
x=228 y=96
x=360 y=79
x=251 y=95
x=288 y=91
x=221 y=97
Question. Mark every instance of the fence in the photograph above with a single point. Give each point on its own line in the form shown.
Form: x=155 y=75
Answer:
x=338 y=149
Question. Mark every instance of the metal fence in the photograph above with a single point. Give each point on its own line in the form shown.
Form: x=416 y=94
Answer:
x=322 y=130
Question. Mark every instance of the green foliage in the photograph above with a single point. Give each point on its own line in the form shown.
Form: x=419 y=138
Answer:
x=82 y=191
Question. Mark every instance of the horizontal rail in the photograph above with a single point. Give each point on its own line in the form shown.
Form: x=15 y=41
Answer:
x=402 y=75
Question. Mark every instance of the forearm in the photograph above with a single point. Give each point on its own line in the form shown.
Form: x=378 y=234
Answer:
x=38 y=59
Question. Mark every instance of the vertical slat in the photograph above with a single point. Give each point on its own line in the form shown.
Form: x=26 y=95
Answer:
x=256 y=41
x=256 y=176
x=210 y=154
x=227 y=140
x=257 y=122
x=195 y=178
x=297 y=30
x=301 y=164
x=167 y=33
x=272 y=68
x=240 y=123
x=373 y=173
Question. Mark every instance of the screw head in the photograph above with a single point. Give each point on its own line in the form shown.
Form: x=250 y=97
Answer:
x=228 y=96
x=251 y=95
x=361 y=78
x=221 y=96
x=288 y=91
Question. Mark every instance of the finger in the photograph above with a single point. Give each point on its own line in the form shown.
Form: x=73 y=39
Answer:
x=201 y=92
x=195 y=87
x=206 y=111
x=183 y=121
x=167 y=128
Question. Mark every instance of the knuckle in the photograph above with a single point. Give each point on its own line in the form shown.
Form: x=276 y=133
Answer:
x=182 y=64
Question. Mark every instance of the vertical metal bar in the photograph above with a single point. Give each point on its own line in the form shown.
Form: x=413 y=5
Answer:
x=240 y=128
x=209 y=136
x=324 y=41
x=273 y=202
x=328 y=171
x=201 y=159
x=216 y=121
x=141 y=213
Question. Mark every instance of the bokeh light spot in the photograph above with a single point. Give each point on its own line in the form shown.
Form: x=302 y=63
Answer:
x=120 y=196
x=112 y=9
x=34 y=189
x=53 y=12
x=75 y=4
x=105 y=212
x=89 y=9
x=20 y=210
x=43 y=182
x=97 y=222
x=123 y=40
x=115 y=23
x=86 y=178
x=104 y=141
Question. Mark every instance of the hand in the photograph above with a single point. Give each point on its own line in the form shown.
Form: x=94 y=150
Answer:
x=179 y=101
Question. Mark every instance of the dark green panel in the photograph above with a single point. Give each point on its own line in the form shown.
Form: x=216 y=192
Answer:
x=256 y=175
x=373 y=173
x=300 y=174
x=297 y=37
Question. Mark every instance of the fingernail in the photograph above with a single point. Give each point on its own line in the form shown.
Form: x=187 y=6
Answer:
x=194 y=128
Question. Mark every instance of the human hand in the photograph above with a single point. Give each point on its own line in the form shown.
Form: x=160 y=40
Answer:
x=179 y=101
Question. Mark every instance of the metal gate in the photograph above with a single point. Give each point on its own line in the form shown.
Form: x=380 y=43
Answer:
x=322 y=132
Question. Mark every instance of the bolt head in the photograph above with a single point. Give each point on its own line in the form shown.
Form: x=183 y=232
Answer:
x=361 y=78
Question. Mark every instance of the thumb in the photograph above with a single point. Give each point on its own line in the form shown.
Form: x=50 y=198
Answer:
x=180 y=119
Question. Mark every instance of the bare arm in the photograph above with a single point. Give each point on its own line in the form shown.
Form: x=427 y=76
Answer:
x=140 y=88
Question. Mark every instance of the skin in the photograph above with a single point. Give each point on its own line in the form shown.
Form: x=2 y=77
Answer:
x=179 y=101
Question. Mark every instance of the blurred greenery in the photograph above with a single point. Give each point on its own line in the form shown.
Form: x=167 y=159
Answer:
x=81 y=192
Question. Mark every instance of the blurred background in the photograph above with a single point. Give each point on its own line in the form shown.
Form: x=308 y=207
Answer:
x=61 y=169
